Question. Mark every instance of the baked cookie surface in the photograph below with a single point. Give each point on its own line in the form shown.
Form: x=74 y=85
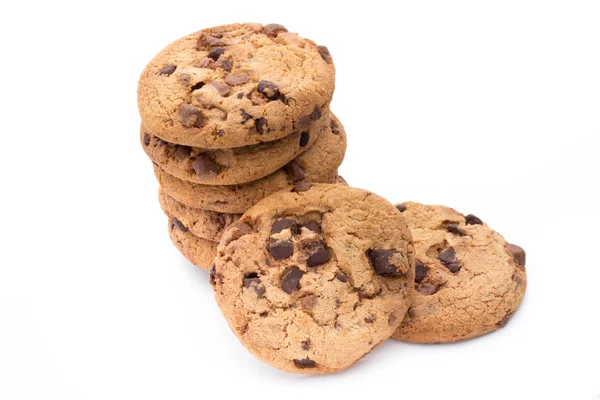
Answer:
x=468 y=281
x=313 y=278
x=235 y=85
x=198 y=251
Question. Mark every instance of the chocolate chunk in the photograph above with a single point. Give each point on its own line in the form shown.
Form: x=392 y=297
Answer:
x=268 y=89
x=304 y=138
x=182 y=152
x=341 y=277
x=281 y=250
x=427 y=289
x=240 y=95
x=236 y=79
x=502 y=323
x=453 y=228
x=369 y=320
x=184 y=79
x=304 y=122
x=222 y=88
x=191 y=116
x=214 y=42
x=325 y=54
x=204 y=165
x=517 y=253
x=226 y=65
x=313 y=226
x=448 y=258
x=316 y=114
x=216 y=52
x=295 y=171
x=420 y=271
x=205 y=63
x=273 y=29
x=518 y=279
x=282 y=224
x=291 y=279
x=260 y=290
x=251 y=277
x=302 y=187
x=473 y=220
x=197 y=86
x=260 y=125
x=319 y=255
x=381 y=261
x=245 y=116
x=179 y=225
x=146 y=139
x=401 y=208
x=306 y=344
x=212 y=275
x=220 y=132
x=308 y=302
x=167 y=70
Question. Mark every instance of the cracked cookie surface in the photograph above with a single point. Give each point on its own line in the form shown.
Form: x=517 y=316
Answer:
x=198 y=251
x=317 y=164
x=468 y=281
x=313 y=278
x=235 y=85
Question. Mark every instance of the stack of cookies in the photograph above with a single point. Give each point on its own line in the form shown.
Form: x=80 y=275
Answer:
x=231 y=115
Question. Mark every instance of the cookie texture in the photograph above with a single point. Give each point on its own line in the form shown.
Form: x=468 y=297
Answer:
x=235 y=85
x=205 y=224
x=230 y=166
x=198 y=251
x=311 y=279
x=318 y=164
x=469 y=280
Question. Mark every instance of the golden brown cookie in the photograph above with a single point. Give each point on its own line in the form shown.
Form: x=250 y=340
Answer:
x=198 y=251
x=468 y=281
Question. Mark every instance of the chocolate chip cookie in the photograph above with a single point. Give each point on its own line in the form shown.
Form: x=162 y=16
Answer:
x=229 y=166
x=468 y=280
x=311 y=279
x=198 y=251
x=205 y=224
x=235 y=85
x=318 y=164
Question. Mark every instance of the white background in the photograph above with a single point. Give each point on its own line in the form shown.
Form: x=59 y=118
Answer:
x=492 y=108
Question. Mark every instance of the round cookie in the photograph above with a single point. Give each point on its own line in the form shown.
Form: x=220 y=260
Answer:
x=204 y=224
x=229 y=166
x=318 y=164
x=198 y=251
x=235 y=85
x=313 y=278
x=468 y=281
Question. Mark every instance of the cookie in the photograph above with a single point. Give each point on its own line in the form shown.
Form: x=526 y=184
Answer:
x=468 y=281
x=235 y=85
x=205 y=224
x=318 y=164
x=313 y=278
x=229 y=166
x=198 y=251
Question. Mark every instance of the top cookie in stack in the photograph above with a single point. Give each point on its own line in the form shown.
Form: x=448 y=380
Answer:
x=235 y=103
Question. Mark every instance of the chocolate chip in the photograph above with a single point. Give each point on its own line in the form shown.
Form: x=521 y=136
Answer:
x=502 y=323
x=184 y=79
x=473 y=220
x=268 y=89
x=369 y=320
x=316 y=114
x=295 y=171
x=281 y=250
x=453 y=228
x=205 y=63
x=302 y=187
x=313 y=226
x=517 y=253
x=251 y=277
x=420 y=271
x=146 y=139
x=260 y=125
x=291 y=279
x=245 y=116
x=240 y=95
x=226 y=65
x=191 y=116
x=341 y=277
x=325 y=54
x=179 y=225
x=182 y=152
x=214 y=42
x=308 y=302
x=381 y=261
x=204 y=165
x=212 y=275
x=216 y=52
x=448 y=258
x=304 y=138
x=220 y=132
x=427 y=289
x=304 y=122
x=260 y=290
x=517 y=278
x=282 y=224
x=305 y=363
x=273 y=29
x=236 y=79
x=401 y=207
x=222 y=88
x=319 y=255
x=167 y=70
x=306 y=344
x=197 y=86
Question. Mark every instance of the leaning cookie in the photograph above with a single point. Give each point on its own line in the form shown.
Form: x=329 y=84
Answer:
x=314 y=278
x=230 y=166
x=198 y=251
x=469 y=280
x=235 y=85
